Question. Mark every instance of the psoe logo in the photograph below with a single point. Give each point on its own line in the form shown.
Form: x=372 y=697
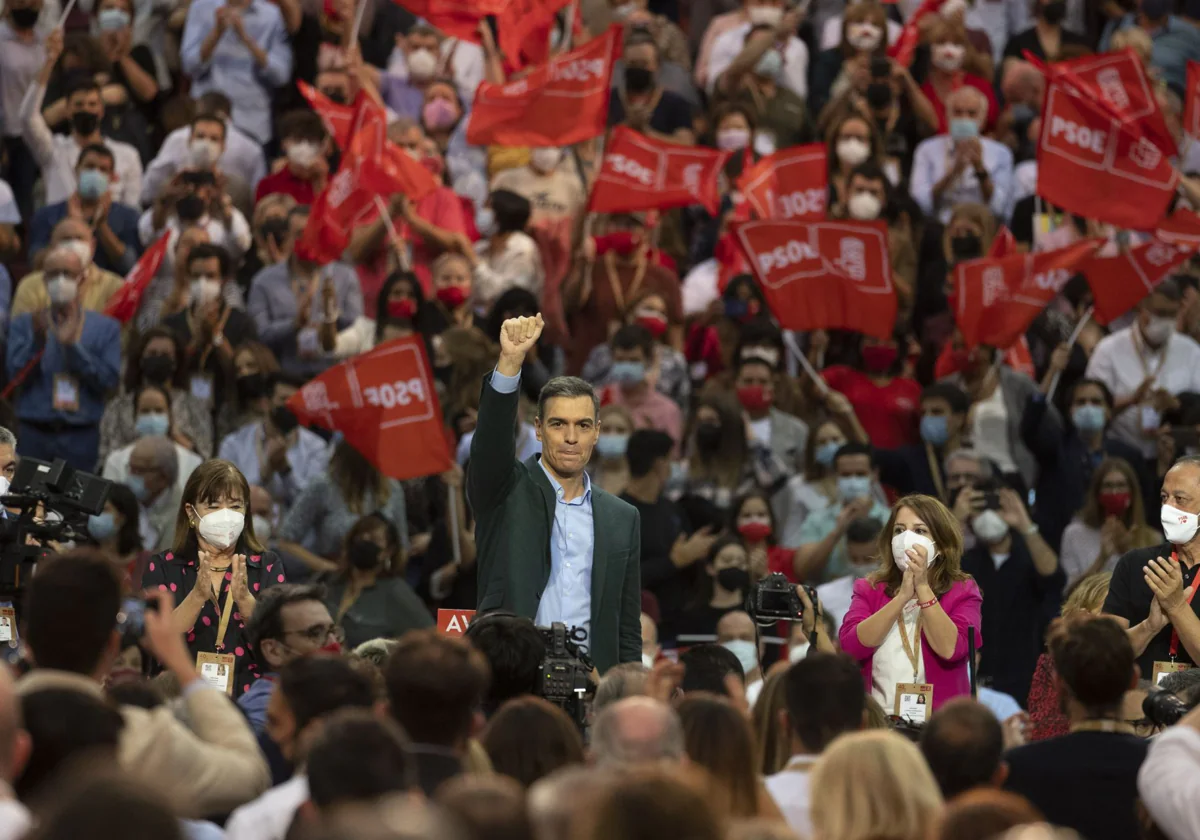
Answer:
x=852 y=258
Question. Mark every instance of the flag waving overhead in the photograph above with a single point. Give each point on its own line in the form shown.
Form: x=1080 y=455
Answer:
x=823 y=275
x=641 y=173
x=1121 y=280
x=384 y=404
x=791 y=184
x=124 y=303
x=338 y=119
x=559 y=103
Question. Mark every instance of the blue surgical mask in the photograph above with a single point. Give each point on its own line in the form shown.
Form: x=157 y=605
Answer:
x=824 y=453
x=1088 y=418
x=92 y=184
x=137 y=486
x=769 y=65
x=851 y=487
x=612 y=446
x=485 y=221
x=935 y=430
x=745 y=651
x=111 y=19
x=1022 y=113
x=102 y=527
x=964 y=128
x=628 y=373
x=152 y=425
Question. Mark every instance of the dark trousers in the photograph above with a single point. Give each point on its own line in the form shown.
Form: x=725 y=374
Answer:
x=21 y=173
x=79 y=446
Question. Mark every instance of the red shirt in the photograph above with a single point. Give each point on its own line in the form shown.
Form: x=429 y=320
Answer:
x=284 y=181
x=887 y=414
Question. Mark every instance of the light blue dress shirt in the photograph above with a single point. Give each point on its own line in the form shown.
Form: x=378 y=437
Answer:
x=568 y=595
x=932 y=161
x=308 y=458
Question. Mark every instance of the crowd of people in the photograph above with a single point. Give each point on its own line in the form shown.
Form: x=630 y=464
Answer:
x=994 y=549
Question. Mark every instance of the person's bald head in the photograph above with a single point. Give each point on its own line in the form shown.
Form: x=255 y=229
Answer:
x=735 y=626
x=62 y=261
x=637 y=730
x=14 y=740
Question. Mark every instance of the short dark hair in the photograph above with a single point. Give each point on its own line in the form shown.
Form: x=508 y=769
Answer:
x=512 y=210
x=634 y=337
x=855 y=448
x=211 y=118
x=302 y=125
x=514 y=651
x=208 y=251
x=645 y=448
x=358 y=757
x=1168 y=288
x=825 y=698
x=871 y=171
x=1095 y=383
x=964 y=745
x=71 y=610
x=435 y=684
x=87 y=803
x=64 y=725
x=315 y=686
x=1094 y=658
x=266 y=622
x=864 y=529
x=214 y=102
x=707 y=666
x=566 y=386
x=80 y=84
x=959 y=403
x=100 y=150
x=529 y=738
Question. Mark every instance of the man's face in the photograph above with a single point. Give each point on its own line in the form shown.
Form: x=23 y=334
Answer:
x=141 y=463
x=62 y=263
x=335 y=85
x=8 y=462
x=98 y=162
x=1157 y=307
x=1089 y=395
x=281 y=725
x=209 y=130
x=966 y=108
x=568 y=434
x=751 y=375
x=861 y=555
x=422 y=41
x=410 y=140
x=853 y=466
x=642 y=55
x=307 y=627
x=735 y=627
x=862 y=184
x=86 y=101
x=649 y=636
x=283 y=392
x=1181 y=488
x=208 y=268
x=938 y=407
x=962 y=472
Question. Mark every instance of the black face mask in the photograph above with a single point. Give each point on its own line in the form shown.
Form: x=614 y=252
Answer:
x=252 y=386
x=189 y=208
x=638 y=79
x=337 y=95
x=708 y=437
x=363 y=555
x=283 y=419
x=158 y=367
x=1053 y=13
x=966 y=247
x=84 y=122
x=879 y=96
x=24 y=18
x=733 y=580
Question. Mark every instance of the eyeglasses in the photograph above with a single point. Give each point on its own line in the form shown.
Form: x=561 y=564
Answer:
x=319 y=633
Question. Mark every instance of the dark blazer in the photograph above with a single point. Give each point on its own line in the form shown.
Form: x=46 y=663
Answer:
x=513 y=504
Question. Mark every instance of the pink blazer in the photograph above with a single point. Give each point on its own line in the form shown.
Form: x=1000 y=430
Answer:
x=948 y=676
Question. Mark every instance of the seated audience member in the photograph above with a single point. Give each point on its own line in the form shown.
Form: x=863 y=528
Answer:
x=306 y=145
x=964 y=747
x=152 y=418
x=862 y=538
x=641 y=100
x=672 y=376
x=737 y=633
x=97 y=286
x=514 y=651
x=724 y=584
x=529 y=738
x=984 y=813
x=718 y=739
x=637 y=731
x=712 y=668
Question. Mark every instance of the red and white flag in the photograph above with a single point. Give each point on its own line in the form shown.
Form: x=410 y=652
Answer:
x=641 y=173
x=125 y=301
x=791 y=184
x=1191 y=105
x=1119 y=282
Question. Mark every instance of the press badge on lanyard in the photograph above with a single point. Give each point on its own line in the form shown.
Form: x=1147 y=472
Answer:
x=66 y=393
x=216 y=669
x=1161 y=669
x=914 y=700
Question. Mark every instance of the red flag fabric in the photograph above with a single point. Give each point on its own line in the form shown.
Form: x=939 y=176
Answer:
x=457 y=18
x=338 y=119
x=1093 y=165
x=1191 y=105
x=823 y=275
x=791 y=184
x=641 y=173
x=382 y=166
x=384 y=404
x=1180 y=228
x=1119 y=282
x=997 y=299
x=524 y=29
x=1003 y=244
x=124 y=303
x=559 y=103
x=910 y=37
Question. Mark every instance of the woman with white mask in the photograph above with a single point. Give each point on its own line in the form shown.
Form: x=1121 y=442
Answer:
x=907 y=623
x=852 y=141
x=216 y=570
x=954 y=63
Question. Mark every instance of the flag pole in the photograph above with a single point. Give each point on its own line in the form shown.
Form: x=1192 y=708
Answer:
x=358 y=18
x=66 y=14
x=790 y=341
x=393 y=237
x=1083 y=322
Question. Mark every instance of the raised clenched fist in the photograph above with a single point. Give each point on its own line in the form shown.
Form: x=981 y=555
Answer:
x=518 y=335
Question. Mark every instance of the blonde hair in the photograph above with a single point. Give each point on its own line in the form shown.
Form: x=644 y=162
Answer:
x=873 y=785
x=1088 y=595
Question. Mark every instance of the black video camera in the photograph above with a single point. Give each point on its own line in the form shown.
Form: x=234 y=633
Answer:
x=565 y=675
x=1163 y=708
x=774 y=599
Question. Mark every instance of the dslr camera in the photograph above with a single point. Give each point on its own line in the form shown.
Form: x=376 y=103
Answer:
x=774 y=598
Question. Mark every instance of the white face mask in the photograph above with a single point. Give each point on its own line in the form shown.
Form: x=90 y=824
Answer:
x=1159 y=330
x=732 y=139
x=1179 y=526
x=203 y=152
x=61 y=288
x=303 y=153
x=905 y=540
x=746 y=652
x=262 y=527
x=864 y=206
x=545 y=159
x=770 y=15
x=989 y=527
x=798 y=651
x=81 y=249
x=5 y=486
x=221 y=528
x=948 y=57
x=422 y=64
x=852 y=151
x=205 y=290
x=863 y=36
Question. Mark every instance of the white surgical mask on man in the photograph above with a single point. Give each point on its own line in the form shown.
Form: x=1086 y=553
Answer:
x=1179 y=526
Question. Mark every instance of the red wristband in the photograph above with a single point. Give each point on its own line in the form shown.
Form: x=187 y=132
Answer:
x=927 y=604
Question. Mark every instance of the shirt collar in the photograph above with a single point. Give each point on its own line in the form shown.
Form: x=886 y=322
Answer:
x=558 y=489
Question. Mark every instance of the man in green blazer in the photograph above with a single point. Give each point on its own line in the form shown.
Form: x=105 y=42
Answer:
x=550 y=545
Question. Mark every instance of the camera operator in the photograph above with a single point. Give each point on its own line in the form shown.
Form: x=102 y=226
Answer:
x=514 y=651
x=1152 y=588
x=1169 y=783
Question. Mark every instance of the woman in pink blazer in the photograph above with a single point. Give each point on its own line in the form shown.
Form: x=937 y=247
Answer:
x=919 y=592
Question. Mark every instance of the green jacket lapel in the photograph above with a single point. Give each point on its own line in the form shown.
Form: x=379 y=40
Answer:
x=549 y=500
x=599 y=548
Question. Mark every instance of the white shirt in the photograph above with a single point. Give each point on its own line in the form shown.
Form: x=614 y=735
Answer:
x=831 y=35
x=989 y=431
x=270 y=816
x=15 y=820
x=762 y=430
x=790 y=788
x=236 y=238
x=835 y=597
x=357 y=338
x=1024 y=180
x=243 y=157
x=1169 y=784
x=10 y=214
x=700 y=287
x=527 y=445
x=728 y=45
x=1117 y=363
x=1080 y=547
x=519 y=265
x=891 y=664
x=116 y=465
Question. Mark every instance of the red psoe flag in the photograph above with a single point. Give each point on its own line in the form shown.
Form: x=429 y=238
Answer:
x=559 y=103
x=1119 y=282
x=125 y=301
x=791 y=184
x=457 y=18
x=380 y=166
x=384 y=404
x=1003 y=243
x=1180 y=228
x=524 y=29
x=1191 y=105
x=997 y=299
x=640 y=173
x=823 y=275
x=910 y=37
x=338 y=119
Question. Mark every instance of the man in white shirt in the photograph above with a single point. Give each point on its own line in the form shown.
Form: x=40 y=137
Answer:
x=825 y=698
x=1168 y=780
x=729 y=44
x=1145 y=366
x=58 y=154
x=14 y=752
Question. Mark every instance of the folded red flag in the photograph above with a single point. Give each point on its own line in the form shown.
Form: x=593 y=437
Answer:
x=791 y=184
x=641 y=173
x=125 y=301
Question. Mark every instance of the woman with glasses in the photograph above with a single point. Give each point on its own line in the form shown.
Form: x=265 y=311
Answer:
x=367 y=596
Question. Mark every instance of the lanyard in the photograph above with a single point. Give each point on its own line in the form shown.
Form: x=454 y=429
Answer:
x=1137 y=348
x=614 y=279
x=1191 y=593
x=910 y=648
x=223 y=622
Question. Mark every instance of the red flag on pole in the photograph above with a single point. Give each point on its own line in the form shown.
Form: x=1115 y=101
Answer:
x=910 y=37
x=823 y=275
x=384 y=404
x=640 y=173
x=338 y=119
x=791 y=184
x=1003 y=244
x=1191 y=105
x=997 y=299
x=124 y=303
x=1119 y=282
x=1180 y=228
x=559 y=103
x=524 y=30
x=457 y=18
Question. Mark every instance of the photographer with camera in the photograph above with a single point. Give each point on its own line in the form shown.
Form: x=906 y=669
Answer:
x=1152 y=589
